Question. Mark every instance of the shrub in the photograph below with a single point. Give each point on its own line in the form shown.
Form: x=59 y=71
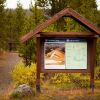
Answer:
x=27 y=75
x=28 y=51
x=75 y=80
x=59 y=78
x=97 y=72
x=24 y=75
x=79 y=80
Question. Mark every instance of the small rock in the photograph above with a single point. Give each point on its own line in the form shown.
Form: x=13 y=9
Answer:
x=23 y=90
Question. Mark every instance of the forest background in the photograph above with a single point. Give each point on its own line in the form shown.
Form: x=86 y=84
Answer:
x=14 y=23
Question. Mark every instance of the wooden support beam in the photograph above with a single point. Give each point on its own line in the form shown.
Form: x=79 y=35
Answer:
x=68 y=34
x=82 y=20
x=38 y=66
x=92 y=62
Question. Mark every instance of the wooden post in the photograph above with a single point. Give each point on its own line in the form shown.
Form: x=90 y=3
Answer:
x=38 y=66
x=92 y=64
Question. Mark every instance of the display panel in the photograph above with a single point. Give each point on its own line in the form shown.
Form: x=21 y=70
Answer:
x=76 y=55
x=65 y=53
x=54 y=55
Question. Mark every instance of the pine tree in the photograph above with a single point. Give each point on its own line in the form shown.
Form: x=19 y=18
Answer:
x=28 y=50
x=37 y=14
x=2 y=27
x=87 y=8
x=9 y=27
x=19 y=19
x=54 y=6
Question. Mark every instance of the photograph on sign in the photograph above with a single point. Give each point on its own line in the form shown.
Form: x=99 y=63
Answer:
x=54 y=54
x=65 y=54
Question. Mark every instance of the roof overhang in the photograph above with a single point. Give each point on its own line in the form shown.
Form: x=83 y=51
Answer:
x=68 y=12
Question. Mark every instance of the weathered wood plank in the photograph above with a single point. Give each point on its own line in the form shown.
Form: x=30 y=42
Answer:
x=80 y=34
x=84 y=21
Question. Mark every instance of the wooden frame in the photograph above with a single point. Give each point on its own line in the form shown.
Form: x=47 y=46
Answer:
x=89 y=58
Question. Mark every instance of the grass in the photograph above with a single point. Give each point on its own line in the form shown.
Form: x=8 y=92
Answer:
x=61 y=95
x=4 y=95
x=53 y=92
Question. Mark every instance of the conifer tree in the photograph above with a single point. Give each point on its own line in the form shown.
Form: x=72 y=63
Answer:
x=9 y=27
x=2 y=18
x=28 y=50
x=87 y=8
x=19 y=19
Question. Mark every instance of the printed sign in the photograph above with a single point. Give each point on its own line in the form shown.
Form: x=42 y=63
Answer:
x=76 y=55
x=65 y=54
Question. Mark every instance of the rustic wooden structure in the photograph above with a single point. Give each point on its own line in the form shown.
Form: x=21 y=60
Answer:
x=89 y=36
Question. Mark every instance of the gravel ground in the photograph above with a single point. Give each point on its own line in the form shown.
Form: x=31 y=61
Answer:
x=7 y=63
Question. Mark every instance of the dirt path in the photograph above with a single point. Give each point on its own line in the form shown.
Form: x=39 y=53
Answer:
x=7 y=63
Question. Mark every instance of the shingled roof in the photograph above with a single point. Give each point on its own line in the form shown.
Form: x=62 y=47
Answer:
x=68 y=12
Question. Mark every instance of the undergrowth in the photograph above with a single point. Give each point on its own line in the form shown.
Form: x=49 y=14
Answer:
x=57 y=84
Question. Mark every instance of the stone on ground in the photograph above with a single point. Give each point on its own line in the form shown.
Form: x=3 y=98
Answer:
x=23 y=90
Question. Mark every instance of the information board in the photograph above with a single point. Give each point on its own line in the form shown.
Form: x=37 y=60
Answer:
x=76 y=55
x=65 y=53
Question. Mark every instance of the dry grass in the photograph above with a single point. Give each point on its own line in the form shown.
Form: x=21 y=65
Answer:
x=50 y=92
x=4 y=95
x=53 y=94
x=73 y=94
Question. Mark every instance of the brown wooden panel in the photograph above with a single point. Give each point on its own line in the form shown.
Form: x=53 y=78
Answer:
x=38 y=65
x=67 y=34
x=84 y=21
x=63 y=71
x=92 y=62
x=43 y=25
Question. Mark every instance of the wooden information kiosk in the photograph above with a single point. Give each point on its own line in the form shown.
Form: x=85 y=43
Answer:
x=69 y=52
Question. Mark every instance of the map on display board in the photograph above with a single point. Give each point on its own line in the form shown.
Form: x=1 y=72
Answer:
x=65 y=54
x=76 y=55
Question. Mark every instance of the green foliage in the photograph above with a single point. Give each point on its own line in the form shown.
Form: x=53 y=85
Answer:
x=27 y=75
x=37 y=14
x=87 y=8
x=97 y=73
x=73 y=80
x=11 y=25
x=22 y=74
x=79 y=80
x=18 y=96
x=2 y=25
x=11 y=35
x=60 y=78
x=28 y=51
x=19 y=19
